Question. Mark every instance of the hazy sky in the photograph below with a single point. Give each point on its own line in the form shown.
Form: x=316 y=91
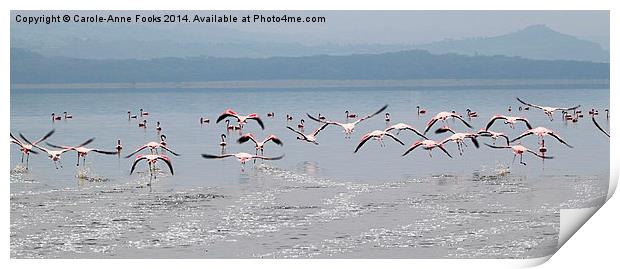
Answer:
x=412 y=26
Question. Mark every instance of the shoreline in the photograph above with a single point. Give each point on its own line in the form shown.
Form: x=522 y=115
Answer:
x=288 y=84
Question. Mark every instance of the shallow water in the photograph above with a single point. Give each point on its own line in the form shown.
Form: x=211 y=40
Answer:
x=319 y=201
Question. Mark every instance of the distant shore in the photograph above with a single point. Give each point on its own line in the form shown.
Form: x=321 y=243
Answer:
x=284 y=84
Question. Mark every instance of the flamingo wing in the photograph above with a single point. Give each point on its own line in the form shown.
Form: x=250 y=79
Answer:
x=395 y=138
x=297 y=132
x=257 y=119
x=410 y=128
x=210 y=156
x=498 y=147
x=168 y=162
x=430 y=124
x=245 y=138
x=560 y=139
x=463 y=120
x=440 y=146
x=492 y=120
x=316 y=132
x=527 y=123
x=506 y=137
x=268 y=158
x=569 y=108
x=46 y=136
x=475 y=141
x=226 y=114
x=521 y=136
x=414 y=146
x=56 y=146
x=528 y=104
x=371 y=115
x=169 y=150
x=599 y=127
x=539 y=155
x=275 y=140
x=135 y=162
x=136 y=151
x=105 y=152
x=363 y=141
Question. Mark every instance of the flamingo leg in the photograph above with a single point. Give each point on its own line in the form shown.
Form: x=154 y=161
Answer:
x=78 y=160
x=513 y=158
x=27 y=159
x=22 y=158
x=521 y=160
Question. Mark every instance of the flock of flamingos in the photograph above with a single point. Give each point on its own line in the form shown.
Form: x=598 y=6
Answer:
x=157 y=150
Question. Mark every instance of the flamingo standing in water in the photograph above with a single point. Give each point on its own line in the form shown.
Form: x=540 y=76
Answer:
x=541 y=132
x=241 y=119
x=387 y=118
x=158 y=127
x=27 y=147
x=300 y=126
x=223 y=143
x=129 y=116
x=271 y=114
x=348 y=128
x=204 y=120
x=143 y=113
x=259 y=145
x=493 y=135
x=311 y=137
x=118 y=147
x=443 y=116
x=83 y=151
x=162 y=140
x=376 y=135
x=427 y=145
x=548 y=110
x=55 y=118
x=350 y=115
x=599 y=127
x=151 y=159
x=403 y=126
x=242 y=157
x=142 y=124
x=232 y=127
x=420 y=111
x=153 y=146
x=458 y=138
x=519 y=150
x=471 y=114
x=289 y=117
x=55 y=155
x=508 y=120
x=67 y=116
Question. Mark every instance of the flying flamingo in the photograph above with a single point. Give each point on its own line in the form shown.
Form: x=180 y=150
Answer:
x=68 y=116
x=376 y=135
x=427 y=145
x=458 y=138
x=82 y=151
x=493 y=135
x=242 y=157
x=54 y=155
x=508 y=120
x=259 y=144
x=27 y=147
x=443 y=116
x=541 y=132
x=311 y=137
x=420 y=111
x=599 y=127
x=153 y=146
x=519 y=150
x=241 y=119
x=151 y=159
x=548 y=110
x=348 y=128
x=403 y=126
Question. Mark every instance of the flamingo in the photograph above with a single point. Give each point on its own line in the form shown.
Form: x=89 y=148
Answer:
x=493 y=135
x=548 y=110
x=348 y=128
x=271 y=114
x=204 y=120
x=458 y=138
x=55 y=155
x=142 y=124
x=143 y=113
x=289 y=117
x=321 y=117
x=443 y=116
x=129 y=116
x=242 y=157
x=421 y=111
x=403 y=126
x=259 y=144
x=27 y=147
x=311 y=137
x=350 y=115
x=510 y=108
x=427 y=145
x=68 y=116
x=541 y=132
x=82 y=151
x=599 y=127
x=241 y=119
x=387 y=118
x=223 y=141
x=153 y=146
x=508 y=120
x=55 y=118
x=519 y=150
x=118 y=147
x=162 y=140
x=607 y=112
x=158 y=127
x=301 y=124
x=151 y=159
x=471 y=114
x=377 y=135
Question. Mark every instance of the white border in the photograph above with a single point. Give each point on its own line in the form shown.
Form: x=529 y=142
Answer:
x=595 y=244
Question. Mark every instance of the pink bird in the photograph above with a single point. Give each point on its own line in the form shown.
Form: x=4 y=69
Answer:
x=427 y=145
x=443 y=116
x=26 y=147
x=348 y=128
x=508 y=120
x=55 y=155
x=153 y=146
x=541 y=132
x=241 y=119
x=493 y=135
x=519 y=150
x=82 y=151
x=151 y=159
x=458 y=138
x=376 y=135
x=548 y=110
x=242 y=157
x=259 y=145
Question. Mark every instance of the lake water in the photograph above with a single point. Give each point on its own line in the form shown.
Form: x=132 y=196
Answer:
x=319 y=200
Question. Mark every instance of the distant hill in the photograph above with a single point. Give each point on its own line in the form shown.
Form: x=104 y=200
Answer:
x=29 y=67
x=534 y=42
